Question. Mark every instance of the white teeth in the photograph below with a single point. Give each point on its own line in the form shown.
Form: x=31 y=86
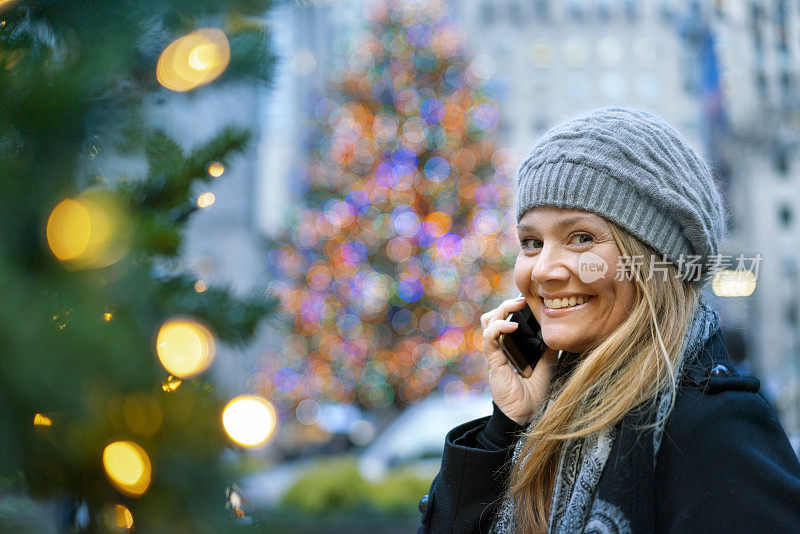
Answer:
x=565 y=302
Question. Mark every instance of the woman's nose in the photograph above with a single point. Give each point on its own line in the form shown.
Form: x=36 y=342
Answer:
x=549 y=266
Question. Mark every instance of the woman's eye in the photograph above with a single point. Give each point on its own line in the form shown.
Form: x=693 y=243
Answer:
x=587 y=239
x=528 y=244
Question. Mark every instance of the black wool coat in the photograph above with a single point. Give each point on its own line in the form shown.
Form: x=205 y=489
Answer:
x=725 y=464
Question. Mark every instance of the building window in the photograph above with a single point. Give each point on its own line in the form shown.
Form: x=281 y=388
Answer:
x=756 y=11
x=780 y=26
x=785 y=215
x=761 y=83
x=758 y=42
x=515 y=13
x=542 y=9
x=792 y=315
x=631 y=10
x=719 y=10
x=786 y=83
x=603 y=10
x=575 y=9
x=667 y=10
x=487 y=13
x=781 y=159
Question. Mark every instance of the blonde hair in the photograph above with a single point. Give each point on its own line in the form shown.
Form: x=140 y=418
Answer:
x=619 y=373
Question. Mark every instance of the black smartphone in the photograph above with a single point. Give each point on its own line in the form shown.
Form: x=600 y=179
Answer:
x=524 y=346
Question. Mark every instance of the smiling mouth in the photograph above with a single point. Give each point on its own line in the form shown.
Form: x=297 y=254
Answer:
x=566 y=303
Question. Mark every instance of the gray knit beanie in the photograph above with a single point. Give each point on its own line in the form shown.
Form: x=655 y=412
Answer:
x=632 y=168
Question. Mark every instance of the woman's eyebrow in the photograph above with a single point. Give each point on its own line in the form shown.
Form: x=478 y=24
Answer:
x=569 y=221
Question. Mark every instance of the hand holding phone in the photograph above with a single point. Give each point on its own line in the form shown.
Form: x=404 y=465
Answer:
x=524 y=346
x=521 y=369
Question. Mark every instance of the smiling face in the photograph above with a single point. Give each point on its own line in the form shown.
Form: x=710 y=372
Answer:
x=563 y=253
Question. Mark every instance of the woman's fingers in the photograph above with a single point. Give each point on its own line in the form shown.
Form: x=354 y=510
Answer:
x=499 y=326
x=491 y=343
x=502 y=311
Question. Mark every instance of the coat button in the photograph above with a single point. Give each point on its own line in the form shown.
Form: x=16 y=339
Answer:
x=423 y=504
x=719 y=370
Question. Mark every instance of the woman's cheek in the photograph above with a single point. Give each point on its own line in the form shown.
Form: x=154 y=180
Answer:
x=522 y=275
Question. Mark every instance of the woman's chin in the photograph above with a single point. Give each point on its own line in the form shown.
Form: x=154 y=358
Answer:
x=565 y=343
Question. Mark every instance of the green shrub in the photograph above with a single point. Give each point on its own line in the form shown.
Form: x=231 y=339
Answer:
x=398 y=492
x=335 y=487
x=329 y=486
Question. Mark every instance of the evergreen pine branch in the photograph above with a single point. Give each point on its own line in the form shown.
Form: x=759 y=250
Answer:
x=171 y=175
x=234 y=319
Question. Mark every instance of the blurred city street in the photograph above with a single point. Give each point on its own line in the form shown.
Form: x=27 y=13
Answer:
x=246 y=247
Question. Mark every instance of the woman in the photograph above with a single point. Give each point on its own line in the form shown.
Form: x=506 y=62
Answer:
x=634 y=419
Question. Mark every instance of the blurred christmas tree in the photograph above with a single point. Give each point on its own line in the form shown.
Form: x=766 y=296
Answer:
x=103 y=339
x=402 y=242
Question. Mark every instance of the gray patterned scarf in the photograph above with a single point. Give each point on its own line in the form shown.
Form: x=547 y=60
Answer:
x=582 y=459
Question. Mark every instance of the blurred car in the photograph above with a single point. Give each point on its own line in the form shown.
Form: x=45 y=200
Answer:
x=415 y=439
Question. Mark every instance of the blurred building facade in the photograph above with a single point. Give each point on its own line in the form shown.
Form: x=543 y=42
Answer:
x=551 y=60
x=307 y=36
x=759 y=45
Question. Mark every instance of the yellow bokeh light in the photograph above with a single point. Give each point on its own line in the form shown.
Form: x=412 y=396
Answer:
x=249 y=420
x=204 y=57
x=193 y=60
x=215 y=169
x=123 y=516
x=185 y=347
x=68 y=229
x=127 y=467
x=205 y=200
x=107 y=317
x=88 y=232
x=200 y=286
x=171 y=384
x=738 y=283
x=117 y=518
x=42 y=420
x=4 y=4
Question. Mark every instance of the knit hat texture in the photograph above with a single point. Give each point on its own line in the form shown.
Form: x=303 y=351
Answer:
x=634 y=169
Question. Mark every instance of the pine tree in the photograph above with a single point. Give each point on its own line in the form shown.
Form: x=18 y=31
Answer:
x=89 y=262
x=402 y=241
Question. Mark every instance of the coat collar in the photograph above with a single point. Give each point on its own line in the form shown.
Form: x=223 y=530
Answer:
x=714 y=371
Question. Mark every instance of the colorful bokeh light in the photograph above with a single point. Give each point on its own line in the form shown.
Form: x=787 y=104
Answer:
x=406 y=231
